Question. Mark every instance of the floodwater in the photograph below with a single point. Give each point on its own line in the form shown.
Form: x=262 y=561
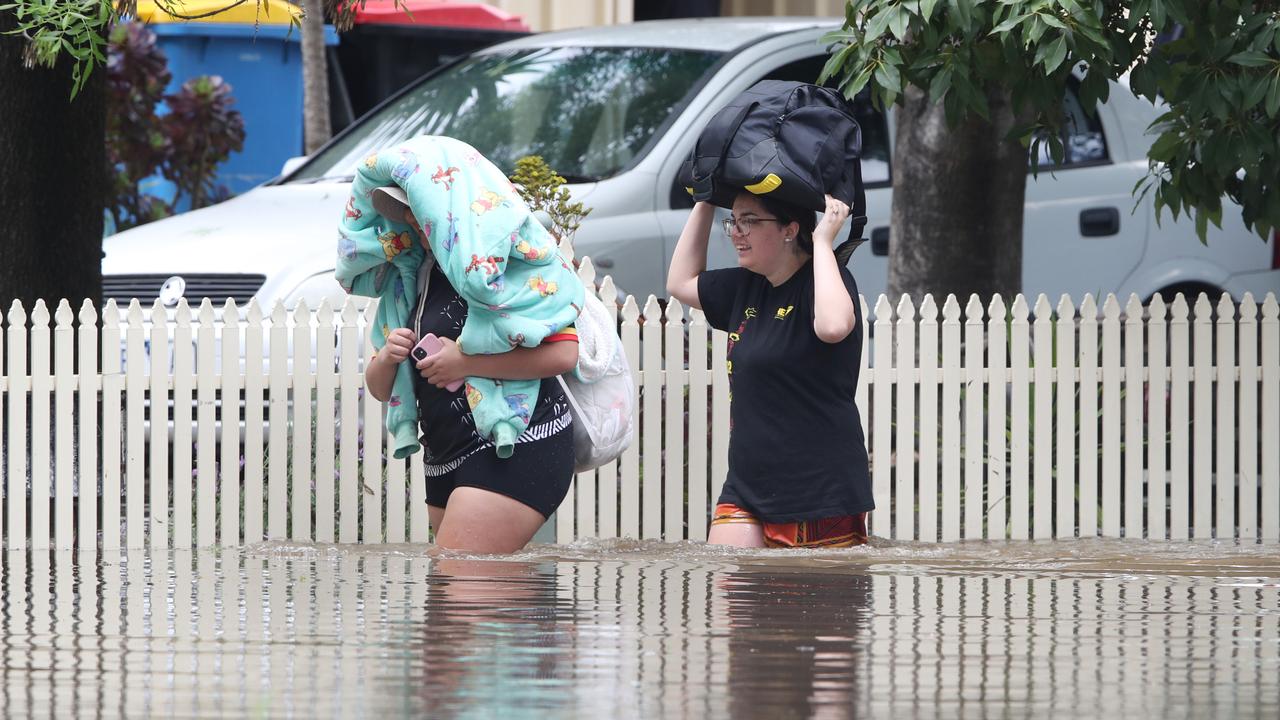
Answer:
x=646 y=630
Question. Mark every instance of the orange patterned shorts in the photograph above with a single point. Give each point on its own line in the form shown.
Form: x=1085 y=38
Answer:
x=836 y=532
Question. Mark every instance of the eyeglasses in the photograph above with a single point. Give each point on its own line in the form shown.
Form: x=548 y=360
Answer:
x=744 y=226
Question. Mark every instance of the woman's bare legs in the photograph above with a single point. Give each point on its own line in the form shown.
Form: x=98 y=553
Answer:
x=737 y=534
x=482 y=521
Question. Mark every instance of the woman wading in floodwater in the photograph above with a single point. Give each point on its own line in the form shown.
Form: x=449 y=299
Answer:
x=798 y=471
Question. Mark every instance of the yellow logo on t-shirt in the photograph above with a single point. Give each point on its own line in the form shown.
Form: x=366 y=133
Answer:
x=749 y=312
x=783 y=312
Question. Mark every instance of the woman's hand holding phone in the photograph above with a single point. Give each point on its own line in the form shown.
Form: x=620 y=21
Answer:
x=440 y=361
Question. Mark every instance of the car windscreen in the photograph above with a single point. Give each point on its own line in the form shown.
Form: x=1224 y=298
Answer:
x=587 y=111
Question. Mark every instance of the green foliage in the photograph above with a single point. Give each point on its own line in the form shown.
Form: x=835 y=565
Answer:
x=186 y=145
x=53 y=27
x=1220 y=81
x=540 y=187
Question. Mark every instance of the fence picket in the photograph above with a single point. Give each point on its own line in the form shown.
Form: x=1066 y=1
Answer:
x=1247 y=523
x=607 y=475
x=699 y=504
x=1065 y=522
x=1042 y=526
x=651 y=435
x=974 y=435
x=90 y=384
x=326 y=396
x=158 y=503
x=374 y=440
x=350 y=388
x=64 y=427
x=1019 y=420
x=278 y=425
x=112 y=386
x=255 y=383
x=1157 y=385
x=630 y=495
x=930 y=379
x=904 y=481
x=882 y=422
x=1225 y=458
x=1179 y=420
x=229 y=385
x=1134 y=445
x=1111 y=393
x=674 y=379
x=951 y=381
x=303 y=379
x=206 y=437
x=1087 y=466
x=1270 y=426
x=997 y=422
x=135 y=384
x=41 y=388
x=1202 y=420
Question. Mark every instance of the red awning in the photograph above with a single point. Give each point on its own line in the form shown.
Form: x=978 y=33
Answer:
x=439 y=13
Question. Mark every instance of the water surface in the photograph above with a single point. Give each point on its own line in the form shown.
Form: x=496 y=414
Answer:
x=642 y=629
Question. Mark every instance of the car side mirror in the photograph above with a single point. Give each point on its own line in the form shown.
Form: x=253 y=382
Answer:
x=292 y=164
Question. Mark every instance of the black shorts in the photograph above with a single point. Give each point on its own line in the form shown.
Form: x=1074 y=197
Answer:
x=538 y=473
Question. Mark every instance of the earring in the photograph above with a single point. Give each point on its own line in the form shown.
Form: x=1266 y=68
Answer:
x=789 y=238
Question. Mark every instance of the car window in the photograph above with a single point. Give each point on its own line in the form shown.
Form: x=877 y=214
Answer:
x=1082 y=139
x=589 y=112
x=875 y=131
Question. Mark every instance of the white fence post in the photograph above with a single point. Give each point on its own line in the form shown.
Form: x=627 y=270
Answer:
x=1019 y=420
x=930 y=380
x=881 y=409
x=975 y=485
x=1157 y=388
x=41 y=387
x=64 y=429
x=89 y=386
x=1225 y=458
x=1134 y=448
x=651 y=430
x=158 y=503
x=1270 y=427
x=1065 y=465
x=904 y=498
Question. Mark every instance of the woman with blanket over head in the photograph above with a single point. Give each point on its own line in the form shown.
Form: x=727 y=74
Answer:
x=444 y=240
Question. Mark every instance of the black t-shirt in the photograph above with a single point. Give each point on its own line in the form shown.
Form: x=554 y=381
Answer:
x=444 y=418
x=796 y=449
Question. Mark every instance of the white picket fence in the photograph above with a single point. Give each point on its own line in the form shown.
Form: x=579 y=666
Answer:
x=991 y=423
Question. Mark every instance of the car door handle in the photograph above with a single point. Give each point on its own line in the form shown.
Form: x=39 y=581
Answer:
x=1099 y=222
x=880 y=241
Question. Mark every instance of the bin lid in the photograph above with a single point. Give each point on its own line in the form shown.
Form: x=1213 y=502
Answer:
x=440 y=13
x=265 y=12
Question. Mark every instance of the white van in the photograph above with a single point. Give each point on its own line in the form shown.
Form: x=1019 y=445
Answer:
x=615 y=110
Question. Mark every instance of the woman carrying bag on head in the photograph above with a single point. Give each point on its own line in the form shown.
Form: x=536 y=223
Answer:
x=798 y=470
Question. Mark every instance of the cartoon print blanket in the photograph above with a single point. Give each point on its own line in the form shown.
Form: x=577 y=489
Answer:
x=496 y=255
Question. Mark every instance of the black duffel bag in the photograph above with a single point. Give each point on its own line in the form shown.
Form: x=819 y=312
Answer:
x=792 y=141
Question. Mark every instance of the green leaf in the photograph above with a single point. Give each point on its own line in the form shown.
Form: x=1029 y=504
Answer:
x=1050 y=19
x=877 y=25
x=899 y=21
x=1253 y=58
x=940 y=84
x=1056 y=53
x=926 y=8
x=853 y=88
x=1008 y=25
x=888 y=77
x=1162 y=150
x=1273 y=97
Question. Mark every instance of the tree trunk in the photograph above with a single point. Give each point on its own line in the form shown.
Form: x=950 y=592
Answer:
x=950 y=234
x=53 y=181
x=315 y=78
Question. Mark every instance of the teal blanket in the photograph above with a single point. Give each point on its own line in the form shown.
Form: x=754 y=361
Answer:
x=496 y=255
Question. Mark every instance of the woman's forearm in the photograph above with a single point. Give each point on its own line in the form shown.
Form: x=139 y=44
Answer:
x=379 y=376
x=690 y=257
x=833 y=316
x=546 y=360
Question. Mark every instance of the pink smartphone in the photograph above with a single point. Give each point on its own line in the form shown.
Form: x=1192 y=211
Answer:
x=430 y=345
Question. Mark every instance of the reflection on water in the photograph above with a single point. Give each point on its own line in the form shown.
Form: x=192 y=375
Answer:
x=646 y=630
